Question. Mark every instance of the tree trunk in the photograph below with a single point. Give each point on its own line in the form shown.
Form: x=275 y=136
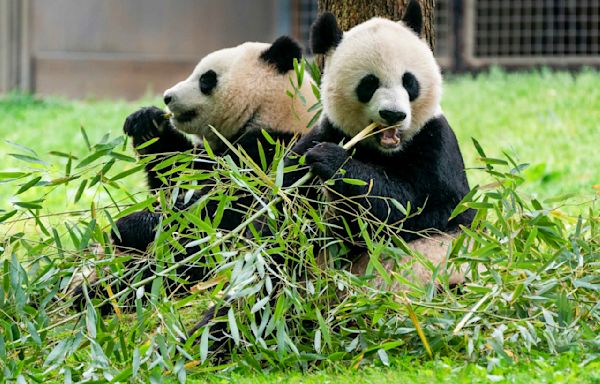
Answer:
x=352 y=12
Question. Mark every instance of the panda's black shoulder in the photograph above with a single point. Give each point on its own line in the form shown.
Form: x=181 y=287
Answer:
x=435 y=140
x=431 y=160
x=438 y=140
x=432 y=136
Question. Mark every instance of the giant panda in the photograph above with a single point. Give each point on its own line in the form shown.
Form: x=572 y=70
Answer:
x=384 y=72
x=241 y=92
x=380 y=71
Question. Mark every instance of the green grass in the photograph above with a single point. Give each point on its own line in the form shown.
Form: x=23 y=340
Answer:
x=538 y=321
x=564 y=369
x=55 y=125
x=550 y=120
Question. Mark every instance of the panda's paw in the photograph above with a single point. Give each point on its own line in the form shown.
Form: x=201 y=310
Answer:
x=325 y=159
x=135 y=231
x=145 y=124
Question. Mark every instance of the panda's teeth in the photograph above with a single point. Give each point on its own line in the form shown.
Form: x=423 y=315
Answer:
x=388 y=137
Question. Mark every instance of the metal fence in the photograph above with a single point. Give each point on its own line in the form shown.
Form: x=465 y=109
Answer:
x=306 y=11
x=444 y=37
x=470 y=34
x=532 y=32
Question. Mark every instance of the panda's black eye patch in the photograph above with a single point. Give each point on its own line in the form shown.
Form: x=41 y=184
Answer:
x=208 y=82
x=411 y=84
x=366 y=88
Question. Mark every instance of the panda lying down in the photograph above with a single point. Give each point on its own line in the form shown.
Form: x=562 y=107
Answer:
x=381 y=71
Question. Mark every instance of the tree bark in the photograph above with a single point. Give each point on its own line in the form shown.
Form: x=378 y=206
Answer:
x=352 y=12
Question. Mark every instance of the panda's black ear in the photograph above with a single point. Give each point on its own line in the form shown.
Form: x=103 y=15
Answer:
x=282 y=53
x=325 y=34
x=413 y=17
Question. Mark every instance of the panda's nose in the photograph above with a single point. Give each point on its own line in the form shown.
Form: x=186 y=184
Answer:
x=392 y=117
x=167 y=99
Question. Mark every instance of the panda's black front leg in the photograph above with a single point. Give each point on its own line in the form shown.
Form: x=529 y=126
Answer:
x=146 y=124
x=136 y=231
x=331 y=162
x=133 y=235
x=325 y=159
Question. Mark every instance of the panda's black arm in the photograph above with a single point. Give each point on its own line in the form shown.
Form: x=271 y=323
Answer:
x=423 y=189
x=149 y=123
x=169 y=143
x=429 y=173
x=317 y=135
x=378 y=190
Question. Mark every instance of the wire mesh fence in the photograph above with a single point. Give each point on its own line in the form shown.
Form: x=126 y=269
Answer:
x=42 y=53
x=530 y=32
x=475 y=33
x=306 y=12
x=444 y=34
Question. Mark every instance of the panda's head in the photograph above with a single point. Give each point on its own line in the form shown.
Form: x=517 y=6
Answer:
x=235 y=88
x=379 y=71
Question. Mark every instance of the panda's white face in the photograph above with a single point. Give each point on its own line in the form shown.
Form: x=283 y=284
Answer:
x=195 y=100
x=232 y=88
x=382 y=72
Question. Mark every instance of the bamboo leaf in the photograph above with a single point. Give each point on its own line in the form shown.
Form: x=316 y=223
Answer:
x=27 y=158
x=360 y=183
x=235 y=334
x=7 y=215
x=204 y=344
x=80 y=190
x=383 y=356
x=35 y=204
x=63 y=154
x=93 y=157
x=28 y=185
x=126 y=173
x=85 y=138
x=8 y=175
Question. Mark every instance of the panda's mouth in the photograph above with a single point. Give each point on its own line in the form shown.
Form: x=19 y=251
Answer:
x=185 y=117
x=389 y=137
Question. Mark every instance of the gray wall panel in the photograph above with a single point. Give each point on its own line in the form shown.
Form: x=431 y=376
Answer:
x=120 y=48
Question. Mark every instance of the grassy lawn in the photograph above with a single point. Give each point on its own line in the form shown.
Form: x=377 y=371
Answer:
x=405 y=370
x=550 y=120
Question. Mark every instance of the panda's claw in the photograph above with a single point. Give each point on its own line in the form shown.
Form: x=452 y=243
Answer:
x=325 y=159
x=145 y=123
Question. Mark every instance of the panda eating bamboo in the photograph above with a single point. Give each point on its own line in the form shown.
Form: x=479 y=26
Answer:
x=384 y=72
x=381 y=72
x=241 y=92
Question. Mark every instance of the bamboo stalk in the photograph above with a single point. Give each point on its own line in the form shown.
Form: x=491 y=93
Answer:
x=360 y=136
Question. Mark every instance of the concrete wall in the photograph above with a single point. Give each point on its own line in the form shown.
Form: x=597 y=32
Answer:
x=124 y=48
